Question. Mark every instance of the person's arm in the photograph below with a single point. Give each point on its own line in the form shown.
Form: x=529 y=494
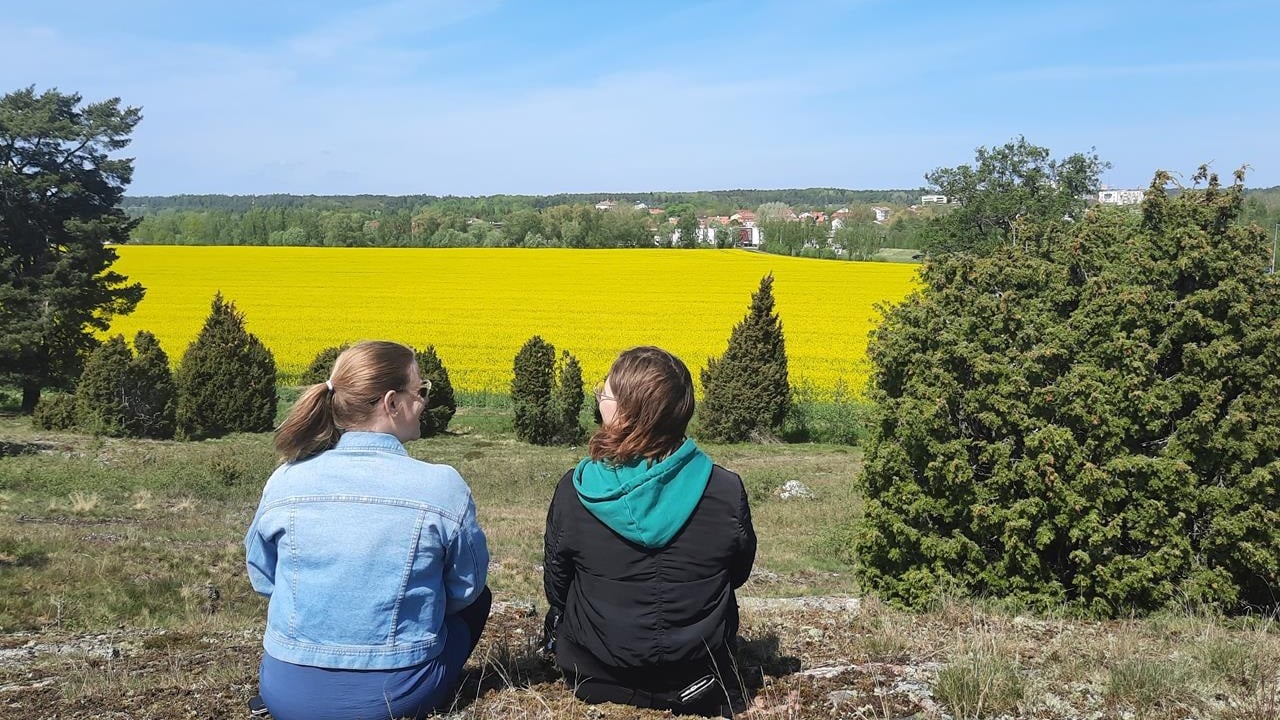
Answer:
x=744 y=556
x=260 y=558
x=557 y=557
x=467 y=562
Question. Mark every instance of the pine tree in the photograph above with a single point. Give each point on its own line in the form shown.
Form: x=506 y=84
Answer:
x=531 y=386
x=441 y=404
x=227 y=379
x=746 y=390
x=60 y=216
x=150 y=391
x=101 y=406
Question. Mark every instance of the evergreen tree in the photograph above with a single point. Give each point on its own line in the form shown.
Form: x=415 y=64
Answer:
x=227 y=379
x=101 y=405
x=441 y=404
x=55 y=411
x=746 y=390
x=150 y=391
x=1086 y=418
x=531 y=386
x=321 y=365
x=566 y=400
x=60 y=196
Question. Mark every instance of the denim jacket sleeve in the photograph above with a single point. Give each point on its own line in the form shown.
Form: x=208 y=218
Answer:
x=260 y=558
x=468 y=562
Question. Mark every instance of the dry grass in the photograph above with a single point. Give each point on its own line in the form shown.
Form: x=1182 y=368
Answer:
x=108 y=611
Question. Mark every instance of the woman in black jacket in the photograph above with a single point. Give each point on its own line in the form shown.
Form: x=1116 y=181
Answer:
x=646 y=542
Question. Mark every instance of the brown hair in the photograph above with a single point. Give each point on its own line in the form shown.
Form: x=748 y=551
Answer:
x=654 y=395
x=361 y=375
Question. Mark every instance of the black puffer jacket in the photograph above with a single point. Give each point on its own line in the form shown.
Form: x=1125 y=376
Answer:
x=647 y=617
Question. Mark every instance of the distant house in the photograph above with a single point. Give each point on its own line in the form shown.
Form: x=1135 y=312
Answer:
x=933 y=199
x=1120 y=197
x=606 y=205
x=882 y=214
x=748 y=234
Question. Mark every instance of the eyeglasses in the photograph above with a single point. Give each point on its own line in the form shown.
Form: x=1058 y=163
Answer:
x=424 y=391
x=598 y=391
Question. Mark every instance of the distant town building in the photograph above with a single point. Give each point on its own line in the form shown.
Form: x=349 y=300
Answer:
x=933 y=199
x=882 y=214
x=606 y=205
x=1108 y=196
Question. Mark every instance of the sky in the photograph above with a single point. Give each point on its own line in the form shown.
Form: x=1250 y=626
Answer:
x=482 y=97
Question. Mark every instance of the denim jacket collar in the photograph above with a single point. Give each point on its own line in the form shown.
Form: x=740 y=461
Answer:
x=364 y=440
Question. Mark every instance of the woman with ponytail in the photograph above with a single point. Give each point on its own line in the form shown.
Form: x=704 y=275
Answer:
x=373 y=562
x=646 y=541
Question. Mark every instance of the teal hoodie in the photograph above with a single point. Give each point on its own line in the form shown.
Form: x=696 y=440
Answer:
x=643 y=501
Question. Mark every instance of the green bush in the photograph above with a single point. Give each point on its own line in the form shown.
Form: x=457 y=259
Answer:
x=1086 y=417
x=55 y=411
x=542 y=405
x=101 y=406
x=150 y=392
x=746 y=394
x=321 y=365
x=441 y=404
x=567 y=399
x=227 y=379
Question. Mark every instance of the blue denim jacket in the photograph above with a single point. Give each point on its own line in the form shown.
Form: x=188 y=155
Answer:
x=362 y=551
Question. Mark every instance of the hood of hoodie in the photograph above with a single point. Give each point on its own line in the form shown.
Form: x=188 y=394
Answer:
x=645 y=502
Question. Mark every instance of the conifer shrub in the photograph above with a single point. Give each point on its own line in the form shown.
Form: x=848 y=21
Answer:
x=150 y=391
x=101 y=406
x=532 y=381
x=227 y=379
x=567 y=398
x=1086 y=418
x=321 y=365
x=55 y=411
x=546 y=397
x=441 y=404
x=746 y=394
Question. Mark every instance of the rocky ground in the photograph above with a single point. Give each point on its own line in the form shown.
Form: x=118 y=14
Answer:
x=131 y=673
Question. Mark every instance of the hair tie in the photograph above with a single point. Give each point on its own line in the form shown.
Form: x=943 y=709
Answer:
x=329 y=384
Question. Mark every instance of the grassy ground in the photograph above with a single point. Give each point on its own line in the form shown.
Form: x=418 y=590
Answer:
x=122 y=594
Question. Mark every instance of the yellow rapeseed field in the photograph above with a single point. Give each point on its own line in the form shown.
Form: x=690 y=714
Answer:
x=478 y=306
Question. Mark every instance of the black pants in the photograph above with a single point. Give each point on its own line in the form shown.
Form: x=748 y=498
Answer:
x=476 y=616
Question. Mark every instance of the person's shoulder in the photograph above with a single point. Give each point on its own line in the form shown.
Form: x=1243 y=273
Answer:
x=721 y=474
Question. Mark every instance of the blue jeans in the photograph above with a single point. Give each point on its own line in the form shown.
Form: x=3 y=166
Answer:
x=301 y=692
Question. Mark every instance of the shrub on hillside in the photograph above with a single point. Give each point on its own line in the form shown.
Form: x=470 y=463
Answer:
x=150 y=391
x=55 y=411
x=227 y=379
x=531 y=384
x=321 y=365
x=441 y=404
x=746 y=394
x=1084 y=418
x=542 y=400
x=101 y=406
x=566 y=400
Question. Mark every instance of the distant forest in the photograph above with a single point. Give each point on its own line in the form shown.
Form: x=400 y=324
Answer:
x=565 y=220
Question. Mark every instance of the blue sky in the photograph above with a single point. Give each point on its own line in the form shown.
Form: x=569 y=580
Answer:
x=479 y=97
